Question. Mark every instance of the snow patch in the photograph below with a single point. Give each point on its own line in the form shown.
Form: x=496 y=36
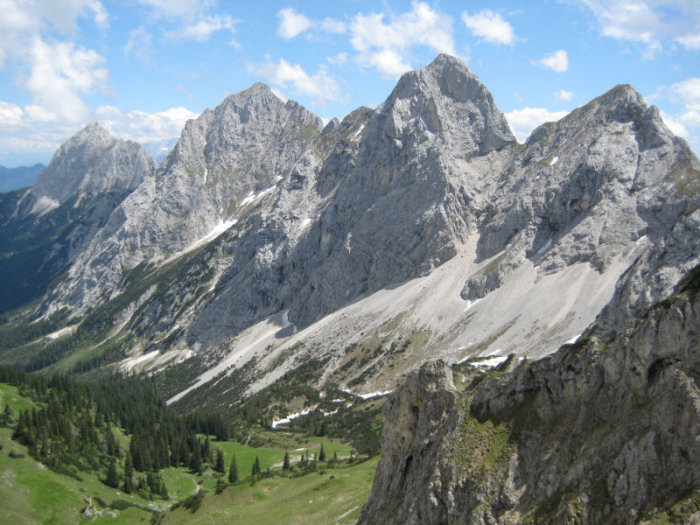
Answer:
x=471 y=304
x=357 y=134
x=572 y=340
x=60 y=333
x=290 y=417
x=491 y=362
x=217 y=230
x=252 y=197
x=128 y=365
x=544 y=248
x=44 y=205
x=370 y=395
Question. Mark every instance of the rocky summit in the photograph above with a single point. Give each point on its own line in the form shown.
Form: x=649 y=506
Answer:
x=421 y=229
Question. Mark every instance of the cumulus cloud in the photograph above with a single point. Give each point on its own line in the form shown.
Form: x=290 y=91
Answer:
x=557 y=61
x=381 y=40
x=291 y=23
x=60 y=74
x=489 y=26
x=564 y=95
x=202 y=29
x=523 y=121
x=384 y=42
x=676 y=127
x=649 y=22
x=688 y=91
x=143 y=127
x=320 y=86
x=36 y=130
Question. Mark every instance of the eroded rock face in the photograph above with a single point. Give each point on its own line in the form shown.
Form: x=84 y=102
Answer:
x=93 y=162
x=310 y=220
x=598 y=432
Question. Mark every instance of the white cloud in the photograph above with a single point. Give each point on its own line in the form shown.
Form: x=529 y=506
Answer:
x=490 y=27
x=564 y=95
x=202 y=29
x=320 y=86
x=649 y=22
x=139 y=45
x=331 y=25
x=338 y=59
x=386 y=45
x=388 y=61
x=523 y=121
x=556 y=61
x=689 y=41
x=60 y=73
x=56 y=72
x=688 y=91
x=142 y=127
x=676 y=127
x=291 y=23
x=10 y=114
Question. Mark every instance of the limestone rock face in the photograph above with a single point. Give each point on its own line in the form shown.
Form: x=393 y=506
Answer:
x=225 y=159
x=421 y=222
x=93 y=162
x=601 y=431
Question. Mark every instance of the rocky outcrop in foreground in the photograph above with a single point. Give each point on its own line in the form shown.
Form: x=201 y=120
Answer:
x=602 y=431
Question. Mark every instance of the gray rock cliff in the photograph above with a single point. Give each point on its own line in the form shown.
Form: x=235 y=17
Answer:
x=599 y=432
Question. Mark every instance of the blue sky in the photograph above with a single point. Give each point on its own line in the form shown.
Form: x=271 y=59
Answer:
x=143 y=67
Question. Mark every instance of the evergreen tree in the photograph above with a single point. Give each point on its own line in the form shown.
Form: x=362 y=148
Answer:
x=322 y=454
x=220 y=467
x=285 y=465
x=256 y=467
x=233 y=471
x=196 y=461
x=112 y=479
x=128 y=474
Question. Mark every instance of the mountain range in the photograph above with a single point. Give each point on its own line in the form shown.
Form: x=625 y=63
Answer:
x=418 y=230
x=20 y=177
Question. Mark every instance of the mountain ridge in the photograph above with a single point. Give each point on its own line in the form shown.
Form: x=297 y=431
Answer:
x=420 y=225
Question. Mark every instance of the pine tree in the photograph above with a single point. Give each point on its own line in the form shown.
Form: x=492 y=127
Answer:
x=112 y=479
x=322 y=454
x=196 y=461
x=285 y=465
x=233 y=471
x=128 y=474
x=256 y=467
x=220 y=467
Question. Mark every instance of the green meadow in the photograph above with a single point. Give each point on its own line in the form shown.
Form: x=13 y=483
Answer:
x=31 y=493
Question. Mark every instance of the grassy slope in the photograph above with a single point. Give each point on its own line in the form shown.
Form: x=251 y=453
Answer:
x=30 y=493
x=335 y=496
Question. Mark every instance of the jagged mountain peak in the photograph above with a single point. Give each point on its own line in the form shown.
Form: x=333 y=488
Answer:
x=92 y=161
x=446 y=98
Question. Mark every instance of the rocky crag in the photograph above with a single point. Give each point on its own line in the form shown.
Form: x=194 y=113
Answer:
x=602 y=431
x=46 y=228
x=418 y=229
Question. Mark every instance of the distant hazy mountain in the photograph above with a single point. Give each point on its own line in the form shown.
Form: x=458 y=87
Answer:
x=20 y=177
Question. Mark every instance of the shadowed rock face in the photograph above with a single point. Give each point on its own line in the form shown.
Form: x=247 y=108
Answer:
x=598 y=432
